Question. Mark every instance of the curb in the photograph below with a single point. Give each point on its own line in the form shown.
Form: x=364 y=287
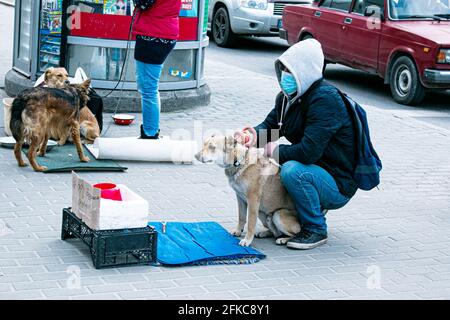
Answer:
x=408 y=118
x=8 y=3
x=128 y=100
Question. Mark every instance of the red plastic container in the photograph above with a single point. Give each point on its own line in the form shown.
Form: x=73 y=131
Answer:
x=123 y=119
x=109 y=191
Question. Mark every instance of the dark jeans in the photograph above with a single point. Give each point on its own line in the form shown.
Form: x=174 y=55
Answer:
x=313 y=189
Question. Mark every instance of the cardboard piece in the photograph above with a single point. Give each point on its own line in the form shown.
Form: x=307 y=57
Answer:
x=7 y=105
x=104 y=214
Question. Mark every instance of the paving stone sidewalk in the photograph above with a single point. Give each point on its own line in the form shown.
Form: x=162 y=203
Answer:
x=391 y=243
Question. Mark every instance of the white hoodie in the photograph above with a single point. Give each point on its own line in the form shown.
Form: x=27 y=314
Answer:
x=305 y=61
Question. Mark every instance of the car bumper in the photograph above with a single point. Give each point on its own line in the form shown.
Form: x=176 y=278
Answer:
x=440 y=78
x=255 y=21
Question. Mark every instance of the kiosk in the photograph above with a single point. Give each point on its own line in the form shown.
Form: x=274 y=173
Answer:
x=94 y=34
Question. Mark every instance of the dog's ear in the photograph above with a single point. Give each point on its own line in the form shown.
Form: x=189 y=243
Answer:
x=230 y=142
x=86 y=84
x=47 y=73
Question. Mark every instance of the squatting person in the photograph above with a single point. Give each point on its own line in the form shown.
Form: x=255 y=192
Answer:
x=317 y=167
x=156 y=30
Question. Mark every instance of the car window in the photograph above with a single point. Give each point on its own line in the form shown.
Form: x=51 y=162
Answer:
x=407 y=9
x=326 y=3
x=361 y=5
x=341 y=4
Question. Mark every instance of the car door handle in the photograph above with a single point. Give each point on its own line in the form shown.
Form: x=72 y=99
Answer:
x=348 y=20
x=318 y=14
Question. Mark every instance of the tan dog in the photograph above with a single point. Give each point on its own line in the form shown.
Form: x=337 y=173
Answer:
x=256 y=181
x=89 y=128
x=38 y=112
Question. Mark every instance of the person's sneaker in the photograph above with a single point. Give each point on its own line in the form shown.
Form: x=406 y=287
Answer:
x=144 y=136
x=306 y=240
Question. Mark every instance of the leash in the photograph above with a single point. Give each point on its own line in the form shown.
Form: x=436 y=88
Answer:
x=126 y=55
x=124 y=66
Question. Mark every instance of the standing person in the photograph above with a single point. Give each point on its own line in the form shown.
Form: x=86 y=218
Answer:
x=156 y=30
x=317 y=168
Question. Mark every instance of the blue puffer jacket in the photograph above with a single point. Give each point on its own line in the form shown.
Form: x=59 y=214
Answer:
x=320 y=130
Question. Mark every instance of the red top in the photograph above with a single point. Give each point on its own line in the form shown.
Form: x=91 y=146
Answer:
x=160 y=21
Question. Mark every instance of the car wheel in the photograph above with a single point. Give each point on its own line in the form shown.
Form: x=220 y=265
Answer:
x=405 y=83
x=221 y=30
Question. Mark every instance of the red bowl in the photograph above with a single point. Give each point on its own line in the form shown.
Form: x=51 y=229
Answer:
x=109 y=191
x=123 y=119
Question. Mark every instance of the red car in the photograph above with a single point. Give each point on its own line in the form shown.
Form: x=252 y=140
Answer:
x=406 y=42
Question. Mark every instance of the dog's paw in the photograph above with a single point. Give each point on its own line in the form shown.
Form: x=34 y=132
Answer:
x=84 y=159
x=236 y=232
x=23 y=164
x=264 y=234
x=40 y=169
x=245 y=242
x=281 y=241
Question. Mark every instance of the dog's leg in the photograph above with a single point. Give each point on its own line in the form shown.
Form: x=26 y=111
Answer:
x=286 y=223
x=75 y=130
x=266 y=220
x=18 y=153
x=63 y=139
x=242 y=207
x=264 y=234
x=43 y=146
x=34 y=144
x=253 y=201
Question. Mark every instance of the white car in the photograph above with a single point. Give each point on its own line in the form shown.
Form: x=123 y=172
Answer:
x=229 y=18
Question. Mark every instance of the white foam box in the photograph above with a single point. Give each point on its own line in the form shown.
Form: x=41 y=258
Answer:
x=104 y=214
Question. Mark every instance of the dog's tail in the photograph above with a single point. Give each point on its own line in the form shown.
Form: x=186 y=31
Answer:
x=16 y=124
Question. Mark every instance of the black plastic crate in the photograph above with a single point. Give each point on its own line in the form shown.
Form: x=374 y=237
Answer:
x=112 y=248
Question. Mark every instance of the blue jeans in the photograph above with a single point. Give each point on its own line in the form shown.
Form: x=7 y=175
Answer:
x=147 y=78
x=312 y=189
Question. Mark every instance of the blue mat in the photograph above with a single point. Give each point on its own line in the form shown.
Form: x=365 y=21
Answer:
x=200 y=243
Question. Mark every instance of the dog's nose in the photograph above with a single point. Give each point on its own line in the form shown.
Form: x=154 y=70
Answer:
x=67 y=82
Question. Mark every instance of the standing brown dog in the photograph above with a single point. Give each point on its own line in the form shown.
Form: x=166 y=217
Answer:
x=260 y=194
x=89 y=128
x=38 y=112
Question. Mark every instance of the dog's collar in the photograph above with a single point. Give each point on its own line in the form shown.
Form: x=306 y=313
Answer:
x=238 y=162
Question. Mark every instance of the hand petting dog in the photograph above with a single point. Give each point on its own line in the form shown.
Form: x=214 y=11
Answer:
x=247 y=137
x=269 y=149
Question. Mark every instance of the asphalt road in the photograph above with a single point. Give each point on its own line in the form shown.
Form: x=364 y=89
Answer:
x=258 y=55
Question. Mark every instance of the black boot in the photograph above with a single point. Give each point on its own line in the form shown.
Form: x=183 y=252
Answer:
x=144 y=136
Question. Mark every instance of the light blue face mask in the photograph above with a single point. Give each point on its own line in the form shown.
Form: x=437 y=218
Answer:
x=288 y=83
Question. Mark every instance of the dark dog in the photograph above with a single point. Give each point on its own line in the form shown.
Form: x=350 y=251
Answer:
x=39 y=113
